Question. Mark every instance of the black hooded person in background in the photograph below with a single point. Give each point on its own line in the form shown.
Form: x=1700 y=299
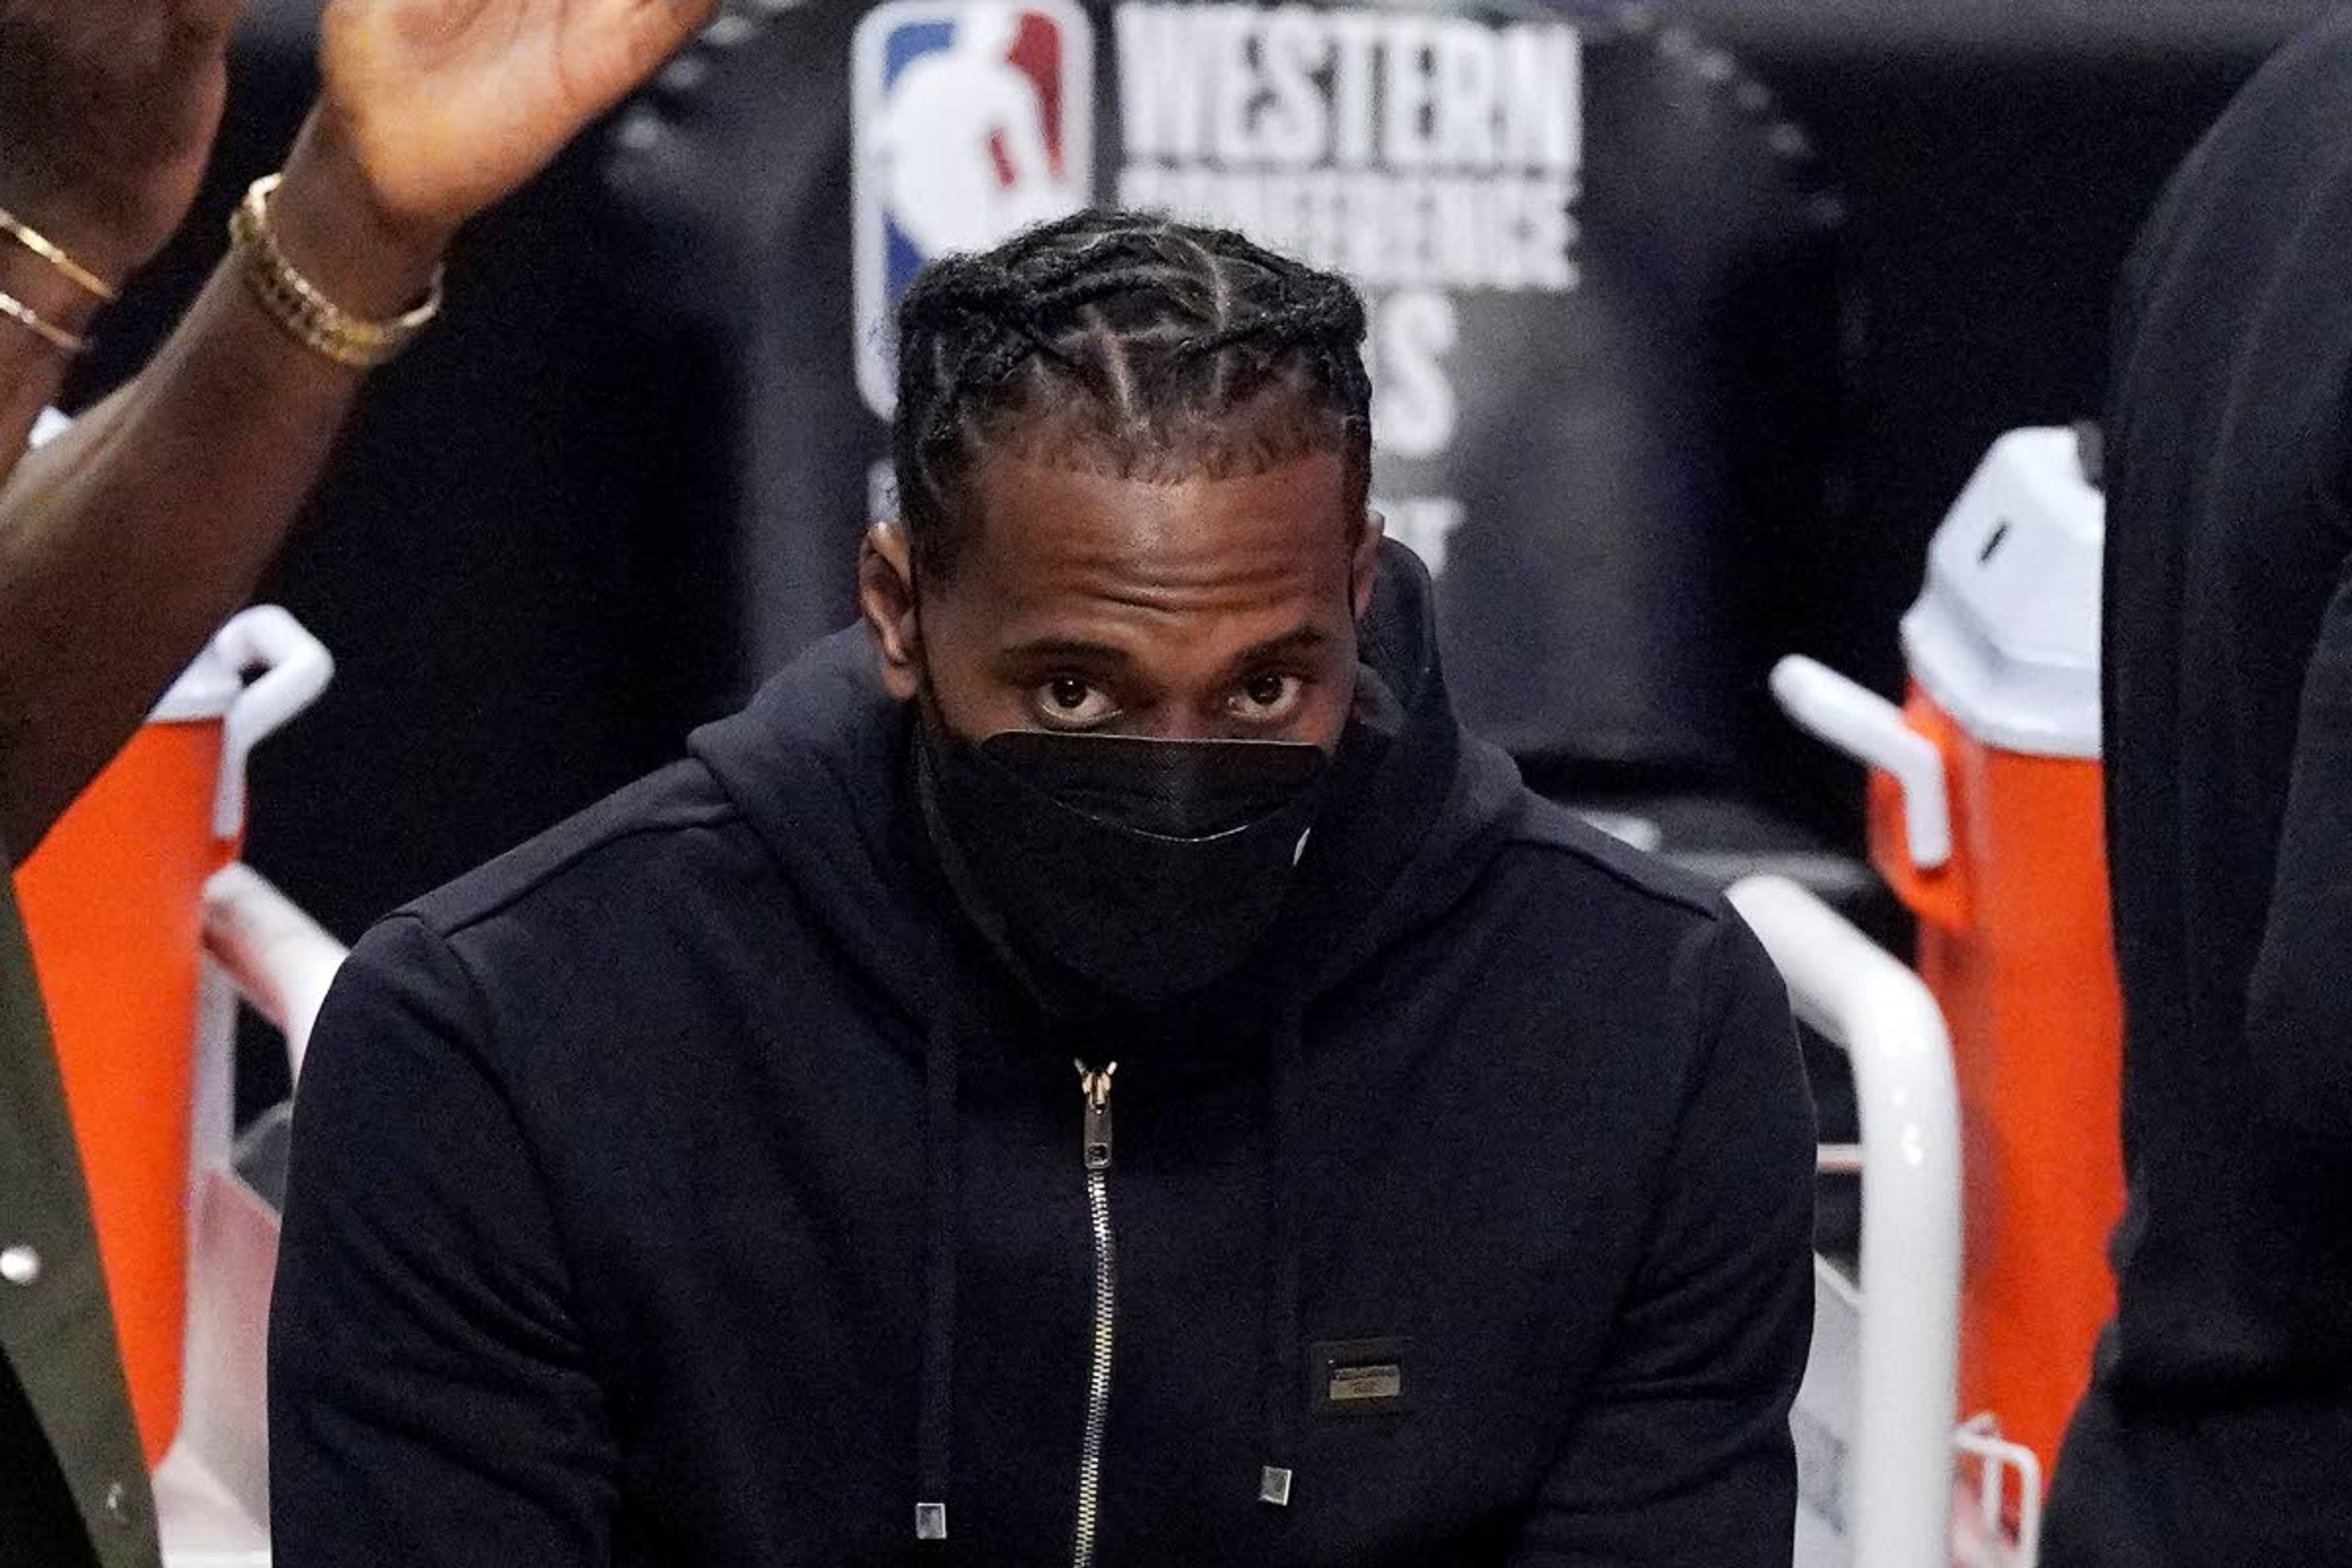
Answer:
x=1093 y=1065
x=2219 y=1426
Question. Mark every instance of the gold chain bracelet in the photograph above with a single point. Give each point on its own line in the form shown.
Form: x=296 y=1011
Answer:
x=299 y=306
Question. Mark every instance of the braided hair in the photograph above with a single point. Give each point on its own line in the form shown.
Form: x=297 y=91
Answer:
x=1127 y=344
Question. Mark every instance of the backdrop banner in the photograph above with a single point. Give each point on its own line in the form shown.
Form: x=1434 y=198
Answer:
x=1601 y=267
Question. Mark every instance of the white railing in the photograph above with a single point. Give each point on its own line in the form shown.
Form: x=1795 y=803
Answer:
x=212 y=1493
x=279 y=960
x=1875 y=1433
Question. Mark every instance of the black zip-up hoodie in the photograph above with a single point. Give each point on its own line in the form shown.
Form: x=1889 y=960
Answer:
x=691 y=1187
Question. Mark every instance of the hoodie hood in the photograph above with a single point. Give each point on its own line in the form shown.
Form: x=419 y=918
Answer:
x=820 y=765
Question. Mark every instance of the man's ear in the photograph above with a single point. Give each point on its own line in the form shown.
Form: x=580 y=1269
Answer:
x=1364 y=562
x=886 y=598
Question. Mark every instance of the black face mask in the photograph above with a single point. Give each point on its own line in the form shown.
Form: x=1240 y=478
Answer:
x=1143 y=870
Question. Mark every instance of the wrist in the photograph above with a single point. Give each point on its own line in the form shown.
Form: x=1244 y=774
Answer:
x=102 y=252
x=333 y=229
x=40 y=288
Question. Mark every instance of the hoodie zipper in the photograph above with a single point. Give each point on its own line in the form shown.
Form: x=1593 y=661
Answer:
x=1096 y=1150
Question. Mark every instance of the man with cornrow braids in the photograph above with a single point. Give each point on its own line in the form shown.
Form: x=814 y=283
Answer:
x=1093 y=1066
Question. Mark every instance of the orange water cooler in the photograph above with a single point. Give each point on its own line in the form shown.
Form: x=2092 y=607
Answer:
x=112 y=903
x=1985 y=818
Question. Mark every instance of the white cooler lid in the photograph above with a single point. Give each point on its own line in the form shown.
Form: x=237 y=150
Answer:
x=2005 y=635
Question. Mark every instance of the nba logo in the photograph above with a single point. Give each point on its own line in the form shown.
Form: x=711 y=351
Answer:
x=971 y=121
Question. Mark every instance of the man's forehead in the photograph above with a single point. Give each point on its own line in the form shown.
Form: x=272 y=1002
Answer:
x=1053 y=530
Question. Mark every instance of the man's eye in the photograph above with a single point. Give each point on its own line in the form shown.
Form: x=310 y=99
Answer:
x=1267 y=698
x=1069 y=700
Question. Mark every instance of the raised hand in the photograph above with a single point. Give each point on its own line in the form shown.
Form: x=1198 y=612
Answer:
x=107 y=110
x=447 y=105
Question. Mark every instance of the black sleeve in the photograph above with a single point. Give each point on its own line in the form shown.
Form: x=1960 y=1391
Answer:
x=1682 y=1455
x=2299 y=1028
x=430 y=1402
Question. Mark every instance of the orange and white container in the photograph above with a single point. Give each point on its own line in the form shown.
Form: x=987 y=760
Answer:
x=1986 y=819
x=114 y=905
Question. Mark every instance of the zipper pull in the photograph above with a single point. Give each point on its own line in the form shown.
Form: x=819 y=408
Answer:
x=1096 y=1086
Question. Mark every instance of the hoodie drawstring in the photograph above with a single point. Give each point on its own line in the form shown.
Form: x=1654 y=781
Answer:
x=1282 y=1376
x=1278 y=1397
x=935 y=1429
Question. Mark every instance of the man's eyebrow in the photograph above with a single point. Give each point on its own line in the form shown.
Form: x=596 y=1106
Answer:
x=1024 y=656
x=1297 y=640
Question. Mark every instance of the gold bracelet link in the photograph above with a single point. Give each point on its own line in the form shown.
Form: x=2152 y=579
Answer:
x=48 y=332
x=32 y=239
x=300 y=307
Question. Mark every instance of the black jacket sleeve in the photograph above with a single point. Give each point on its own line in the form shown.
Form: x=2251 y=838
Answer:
x=1682 y=1452
x=2298 y=1032
x=430 y=1400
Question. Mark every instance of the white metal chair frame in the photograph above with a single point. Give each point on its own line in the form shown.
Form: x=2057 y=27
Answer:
x=1899 y=1499
x=211 y=1491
